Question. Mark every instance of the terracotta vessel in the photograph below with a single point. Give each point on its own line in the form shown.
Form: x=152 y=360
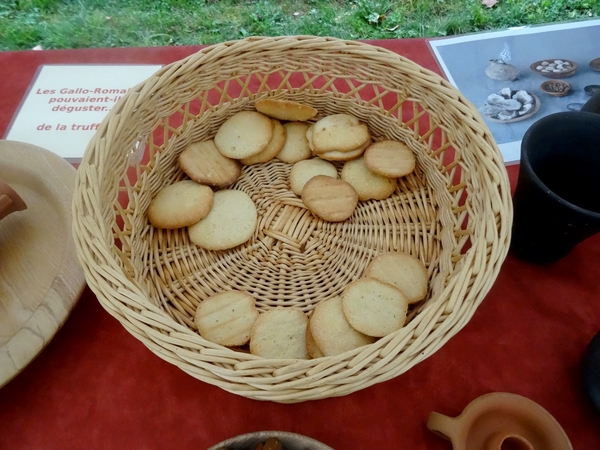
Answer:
x=10 y=201
x=501 y=421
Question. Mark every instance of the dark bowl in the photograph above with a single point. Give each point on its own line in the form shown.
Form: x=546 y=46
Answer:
x=592 y=89
x=590 y=369
x=563 y=74
x=290 y=441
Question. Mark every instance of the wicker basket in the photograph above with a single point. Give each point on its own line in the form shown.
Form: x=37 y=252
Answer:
x=454 y=212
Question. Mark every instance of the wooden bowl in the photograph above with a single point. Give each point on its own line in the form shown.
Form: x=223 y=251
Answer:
x=40 y=278
x=563 y=74
x=595 y=64
x=556 y=88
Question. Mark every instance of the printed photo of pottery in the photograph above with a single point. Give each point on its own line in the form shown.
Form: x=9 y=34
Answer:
x=516 y=77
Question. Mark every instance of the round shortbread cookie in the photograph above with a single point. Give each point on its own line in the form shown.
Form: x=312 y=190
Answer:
x=331 y=331
x=273 y=147
x=401 y=270
x=285 y=109
x=311 y=346
x=368 y=185
x=343 y=156
x=296 y=145
x=227 y=318
x=203 y=163
x=280 y=333
x=331 y=199
x=339 y=132
x=231 y=221
x=180 y=205
x=373 y=307
x=389 y=158
x=244 y=134
x=304 y=170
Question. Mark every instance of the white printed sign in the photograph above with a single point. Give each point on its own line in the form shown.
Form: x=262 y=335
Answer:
x=66 y=103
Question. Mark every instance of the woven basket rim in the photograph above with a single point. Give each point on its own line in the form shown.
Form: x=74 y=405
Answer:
x=125 y=300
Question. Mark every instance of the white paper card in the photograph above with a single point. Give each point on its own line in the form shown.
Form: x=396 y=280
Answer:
x=66 y=103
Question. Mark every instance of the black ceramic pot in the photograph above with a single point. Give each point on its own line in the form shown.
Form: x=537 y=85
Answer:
x=590 y=371
x=557 y=198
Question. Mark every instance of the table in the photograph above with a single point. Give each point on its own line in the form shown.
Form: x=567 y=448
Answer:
x=96 y=387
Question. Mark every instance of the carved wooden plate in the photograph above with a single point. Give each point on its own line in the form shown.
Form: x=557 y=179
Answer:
x=40 y=276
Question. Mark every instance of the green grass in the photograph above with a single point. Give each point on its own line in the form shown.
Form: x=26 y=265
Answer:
x=25 y=24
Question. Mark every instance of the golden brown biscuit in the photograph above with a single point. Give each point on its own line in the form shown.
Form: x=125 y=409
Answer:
x=403 y=271
x=304 y=170
x=331 y=331
x=339 y=132
x=273 y=147
x=285 y=109
x=296 y=145
x=389 y=158
x=331 y=199
x=373 y=307
x=180 y=205
x=204 y=164
x=231 y=221
x=368 y=185
x=244 y=134
x=280 y=333
x=227 y=318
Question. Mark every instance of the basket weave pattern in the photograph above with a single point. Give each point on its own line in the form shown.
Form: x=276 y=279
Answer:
x=454 y=212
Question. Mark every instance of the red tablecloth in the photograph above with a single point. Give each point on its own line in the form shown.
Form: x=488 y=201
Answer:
x=97 y=387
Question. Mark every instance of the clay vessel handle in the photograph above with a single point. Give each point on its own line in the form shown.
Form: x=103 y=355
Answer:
x=444 y=426
x=5 y=203
x=10 y=201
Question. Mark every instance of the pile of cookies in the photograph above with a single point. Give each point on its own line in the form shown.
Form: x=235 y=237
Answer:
x=369 y=171
x=371 y=307
x=219 y=218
